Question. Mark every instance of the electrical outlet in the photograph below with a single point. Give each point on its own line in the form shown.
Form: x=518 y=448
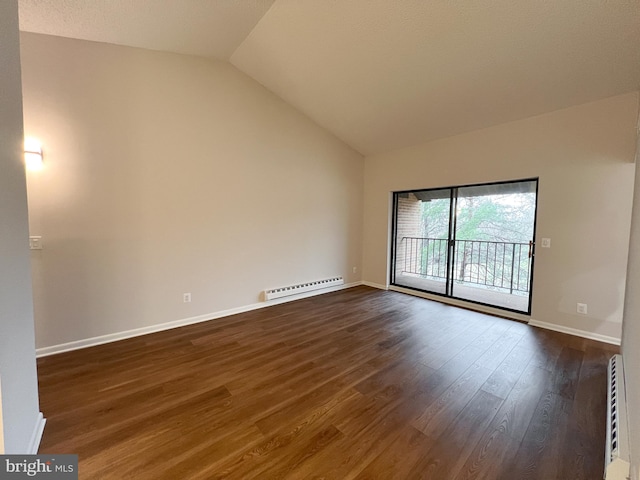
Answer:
x=355 y=269
x=546 y=243
x=186 y=297
x=582 y=308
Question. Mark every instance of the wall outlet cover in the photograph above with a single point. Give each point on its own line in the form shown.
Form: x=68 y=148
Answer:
x=35 y=242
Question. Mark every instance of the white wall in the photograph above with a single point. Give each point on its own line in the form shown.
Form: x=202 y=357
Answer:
x=167 y=174
x=19 y=418
x=631 y=328
x=584 y=158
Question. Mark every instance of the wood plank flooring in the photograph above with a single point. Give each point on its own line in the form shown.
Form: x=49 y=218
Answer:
x=357 y=384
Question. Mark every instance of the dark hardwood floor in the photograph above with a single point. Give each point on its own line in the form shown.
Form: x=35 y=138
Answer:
x=357 y=384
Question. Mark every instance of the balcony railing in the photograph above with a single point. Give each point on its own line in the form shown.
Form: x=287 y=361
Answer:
x=495 y=265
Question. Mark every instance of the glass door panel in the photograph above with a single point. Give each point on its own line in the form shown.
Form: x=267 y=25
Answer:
x=493 y=244
x=422 y=220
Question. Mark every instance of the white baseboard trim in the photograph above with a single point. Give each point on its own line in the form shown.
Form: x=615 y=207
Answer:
x=374 y=285
x=36 y=436
x=136 y=332
x=574 y=331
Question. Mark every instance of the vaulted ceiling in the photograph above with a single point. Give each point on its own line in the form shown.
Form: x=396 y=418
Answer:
x=207 y=28
x=385 y=74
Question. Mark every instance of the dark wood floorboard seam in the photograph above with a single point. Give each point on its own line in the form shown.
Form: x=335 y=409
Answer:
x=356 y=384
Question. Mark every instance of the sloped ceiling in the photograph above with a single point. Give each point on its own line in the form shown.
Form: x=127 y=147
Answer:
x=207 y=28
x=386 y=74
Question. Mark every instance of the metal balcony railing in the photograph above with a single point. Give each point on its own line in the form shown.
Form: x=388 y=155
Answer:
x=495 y=265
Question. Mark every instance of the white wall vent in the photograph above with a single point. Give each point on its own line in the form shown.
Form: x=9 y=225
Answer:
x=302 y=288
x=616 y=462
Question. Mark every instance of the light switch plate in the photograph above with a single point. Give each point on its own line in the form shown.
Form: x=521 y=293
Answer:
x=35 y=243
x=546 y=243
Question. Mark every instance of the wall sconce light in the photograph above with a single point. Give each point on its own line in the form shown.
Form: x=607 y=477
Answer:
x=32 y=154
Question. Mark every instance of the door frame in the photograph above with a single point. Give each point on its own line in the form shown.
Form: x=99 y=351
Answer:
x=451 y=248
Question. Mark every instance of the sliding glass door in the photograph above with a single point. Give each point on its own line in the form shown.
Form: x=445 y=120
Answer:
x=473 y=243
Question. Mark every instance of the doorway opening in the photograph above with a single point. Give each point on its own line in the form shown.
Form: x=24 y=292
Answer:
x=473 y=242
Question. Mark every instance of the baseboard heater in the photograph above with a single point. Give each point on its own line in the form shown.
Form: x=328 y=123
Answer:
x=617 y=460
x=302 y=288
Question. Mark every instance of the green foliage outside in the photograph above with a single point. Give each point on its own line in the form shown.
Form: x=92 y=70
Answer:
x=497 y=230
x=496 y=218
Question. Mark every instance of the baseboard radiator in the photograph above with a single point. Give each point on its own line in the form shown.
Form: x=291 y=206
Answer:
x=617 y=460
x=302 y=288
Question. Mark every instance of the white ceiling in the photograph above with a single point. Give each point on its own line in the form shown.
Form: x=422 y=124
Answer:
x=208 y=28
x=385 y=74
